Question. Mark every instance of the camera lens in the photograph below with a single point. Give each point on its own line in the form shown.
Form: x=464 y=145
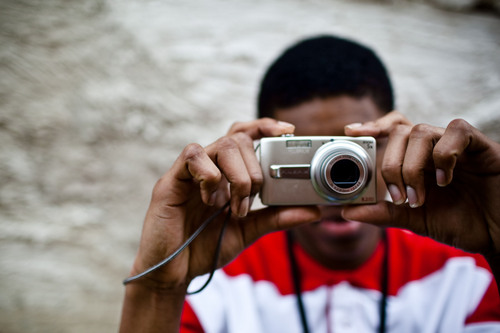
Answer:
x=344 y=173
x=340 y=171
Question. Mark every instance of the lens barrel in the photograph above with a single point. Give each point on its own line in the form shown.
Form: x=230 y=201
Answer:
x=340 y=170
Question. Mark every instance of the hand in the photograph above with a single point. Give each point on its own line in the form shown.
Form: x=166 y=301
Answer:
x=200 y=181
x=450 y=178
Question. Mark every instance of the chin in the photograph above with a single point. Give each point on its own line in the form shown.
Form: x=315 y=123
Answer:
x=338 y=244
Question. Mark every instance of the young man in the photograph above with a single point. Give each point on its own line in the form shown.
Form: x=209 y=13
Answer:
x=329 y=273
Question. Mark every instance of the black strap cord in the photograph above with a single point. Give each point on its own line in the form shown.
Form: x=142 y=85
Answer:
x=186 y=244
x=216 y=255
x=384 y=282
x=296 y=281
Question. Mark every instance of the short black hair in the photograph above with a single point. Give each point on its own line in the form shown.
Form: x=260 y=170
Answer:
x=321 y=67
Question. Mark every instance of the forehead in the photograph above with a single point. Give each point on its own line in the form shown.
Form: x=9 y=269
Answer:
x=329 y=116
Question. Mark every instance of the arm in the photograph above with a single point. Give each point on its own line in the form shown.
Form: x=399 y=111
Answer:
x=200 y=181
x=151 y=310
x=451 y=180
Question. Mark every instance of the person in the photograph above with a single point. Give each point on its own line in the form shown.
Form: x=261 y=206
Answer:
x=322 y=268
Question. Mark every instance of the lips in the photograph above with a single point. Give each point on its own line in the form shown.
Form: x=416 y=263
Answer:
x=338 y=227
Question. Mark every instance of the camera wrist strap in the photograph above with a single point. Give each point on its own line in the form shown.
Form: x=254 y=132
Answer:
x=186 y=244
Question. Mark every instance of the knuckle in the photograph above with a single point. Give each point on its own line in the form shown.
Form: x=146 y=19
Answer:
x=421 y=130
x=210 y=177
x=391 y=170
x=241 y=187
x=257 y=177
x=441 y=154
x=194 y=154
x=402 y=119
x=257 y=180
x=192 y=151
x=460 y=125
x=444 y=157
x=398 y=117
x=235 y=127
x=226 y=143
x=242 y=138
x=411 y=173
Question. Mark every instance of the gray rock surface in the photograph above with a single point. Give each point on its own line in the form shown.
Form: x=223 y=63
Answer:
x=98 y=97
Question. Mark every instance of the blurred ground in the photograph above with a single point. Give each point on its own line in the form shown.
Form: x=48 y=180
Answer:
x=98 y=97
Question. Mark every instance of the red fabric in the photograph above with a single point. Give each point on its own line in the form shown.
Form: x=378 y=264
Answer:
x=267 y=259
x=189 y=321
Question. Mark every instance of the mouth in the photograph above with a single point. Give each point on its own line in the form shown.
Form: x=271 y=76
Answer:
x=337 y=226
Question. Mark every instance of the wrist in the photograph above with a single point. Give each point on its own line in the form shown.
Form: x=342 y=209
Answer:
x=157 y=286
x=152 y=309
x=157 y=281
x=154 y=294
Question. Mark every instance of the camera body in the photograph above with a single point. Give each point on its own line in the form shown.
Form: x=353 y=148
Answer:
x=318 y=170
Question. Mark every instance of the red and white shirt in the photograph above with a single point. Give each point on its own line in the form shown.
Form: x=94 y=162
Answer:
x=431 y=288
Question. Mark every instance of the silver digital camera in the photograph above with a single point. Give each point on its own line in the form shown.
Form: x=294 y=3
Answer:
x=318 y=170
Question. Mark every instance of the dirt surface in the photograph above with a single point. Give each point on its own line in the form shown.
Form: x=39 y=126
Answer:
x=97 y=99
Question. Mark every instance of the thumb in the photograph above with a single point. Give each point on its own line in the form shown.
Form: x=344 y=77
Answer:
x=387 y=214
x=266 y=220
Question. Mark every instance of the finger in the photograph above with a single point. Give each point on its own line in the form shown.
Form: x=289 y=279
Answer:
x=226 y=154
x=458 y=137
x=379 y=128
x=193 y=164
x=386 y=214
x=392 y=163
x=263 y=127
x=270 y=219
x=418 y=160
x=223 y=194
x=252 y=164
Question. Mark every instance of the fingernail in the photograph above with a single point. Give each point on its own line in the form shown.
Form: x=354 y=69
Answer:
x=244 y=206
x=285 y=124
x=396 y=196
x=440 y=177
x=412 y=197
x=354 y=125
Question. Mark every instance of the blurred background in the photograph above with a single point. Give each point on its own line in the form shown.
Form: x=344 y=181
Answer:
x=97 y=98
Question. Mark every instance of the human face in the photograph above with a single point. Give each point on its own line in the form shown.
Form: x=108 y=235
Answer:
x=334 y=242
